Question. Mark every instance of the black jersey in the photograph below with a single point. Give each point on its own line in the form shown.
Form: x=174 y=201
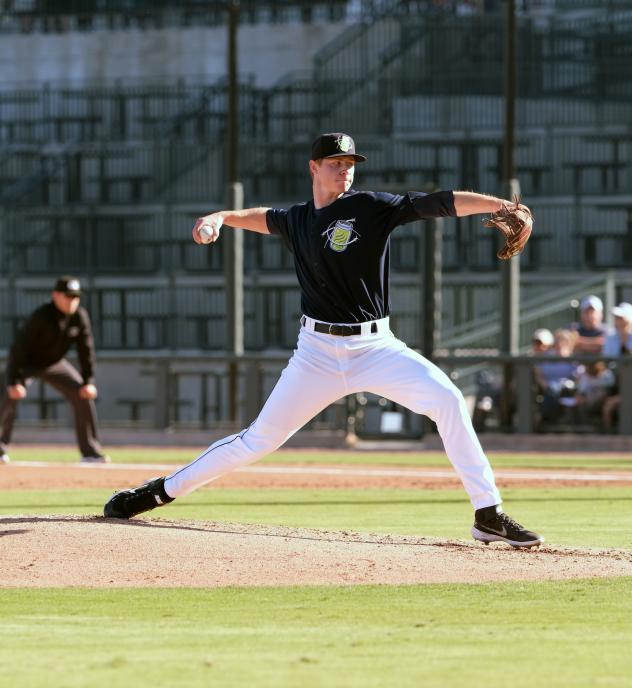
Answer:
x=341 y=252
x=46 y=337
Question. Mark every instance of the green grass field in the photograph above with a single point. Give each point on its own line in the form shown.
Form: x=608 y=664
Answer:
x=556 y=635
x=567 y=634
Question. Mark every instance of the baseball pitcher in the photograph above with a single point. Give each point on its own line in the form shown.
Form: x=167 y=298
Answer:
x=340 y=240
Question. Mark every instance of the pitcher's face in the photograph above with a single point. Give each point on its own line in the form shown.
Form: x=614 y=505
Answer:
x=333 y=175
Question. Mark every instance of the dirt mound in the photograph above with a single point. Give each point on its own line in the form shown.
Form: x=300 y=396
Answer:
x=54 y=551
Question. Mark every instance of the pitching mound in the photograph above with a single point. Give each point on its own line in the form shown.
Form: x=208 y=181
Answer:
x=54 y=551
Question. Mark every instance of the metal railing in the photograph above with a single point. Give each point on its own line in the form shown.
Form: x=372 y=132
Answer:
x=114 y=215
x=547 y=307
x=586 y=176
x=524 y=388
x=179 y=312
x=166 y=391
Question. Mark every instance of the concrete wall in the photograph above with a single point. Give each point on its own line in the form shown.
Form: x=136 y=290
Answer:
x=268 y=52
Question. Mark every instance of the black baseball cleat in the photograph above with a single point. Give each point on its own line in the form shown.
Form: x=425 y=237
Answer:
x=128 y=503
x=493 y=525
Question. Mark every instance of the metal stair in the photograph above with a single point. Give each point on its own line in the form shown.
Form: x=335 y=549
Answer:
x=544 y=310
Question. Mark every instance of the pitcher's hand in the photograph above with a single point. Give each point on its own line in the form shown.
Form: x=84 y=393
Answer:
x=206 y=229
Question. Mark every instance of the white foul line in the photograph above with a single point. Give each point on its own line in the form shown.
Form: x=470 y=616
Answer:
x=348 y=471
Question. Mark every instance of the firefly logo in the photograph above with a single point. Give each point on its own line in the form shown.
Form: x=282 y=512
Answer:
x=340 y=234
x=344 y=143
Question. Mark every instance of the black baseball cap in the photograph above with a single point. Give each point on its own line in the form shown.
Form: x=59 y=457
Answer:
x=68 y=285
x=335 y=145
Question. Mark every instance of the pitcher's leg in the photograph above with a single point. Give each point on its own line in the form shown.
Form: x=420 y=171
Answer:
x=300 y=394
x=408 y=379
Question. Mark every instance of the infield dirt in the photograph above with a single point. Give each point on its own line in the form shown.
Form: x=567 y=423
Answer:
x=292 y=476
x=91 y=551
x=59 y=551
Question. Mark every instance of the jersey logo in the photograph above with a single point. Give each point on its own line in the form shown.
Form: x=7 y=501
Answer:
x=73 y=332
x=340 y=234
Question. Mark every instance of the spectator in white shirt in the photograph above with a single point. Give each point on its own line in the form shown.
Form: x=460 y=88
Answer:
x=619 y=343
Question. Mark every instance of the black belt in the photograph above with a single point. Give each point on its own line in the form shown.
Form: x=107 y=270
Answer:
x=339 y=330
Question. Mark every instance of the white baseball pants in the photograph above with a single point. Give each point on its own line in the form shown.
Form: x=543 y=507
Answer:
x=325 y=368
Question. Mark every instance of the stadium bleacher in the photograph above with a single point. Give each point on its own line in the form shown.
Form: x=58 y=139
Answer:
x=104 y=179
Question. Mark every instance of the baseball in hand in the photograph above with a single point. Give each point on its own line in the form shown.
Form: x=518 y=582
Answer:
x=206 y=234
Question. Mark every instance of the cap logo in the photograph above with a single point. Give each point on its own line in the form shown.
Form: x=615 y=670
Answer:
x=73 y=285
x=344 y=143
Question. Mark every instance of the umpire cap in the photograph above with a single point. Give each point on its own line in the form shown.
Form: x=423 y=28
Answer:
x=68 y=285
x=335 y=145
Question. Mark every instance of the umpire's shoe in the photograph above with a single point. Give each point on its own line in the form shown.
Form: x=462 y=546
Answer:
x=128 y=503
x=491 y=524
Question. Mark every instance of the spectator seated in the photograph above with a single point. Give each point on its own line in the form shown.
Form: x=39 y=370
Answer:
x=556 y=381
x=595 y=383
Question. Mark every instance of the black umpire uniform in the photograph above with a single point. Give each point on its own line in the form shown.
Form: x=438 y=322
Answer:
x=39 y=351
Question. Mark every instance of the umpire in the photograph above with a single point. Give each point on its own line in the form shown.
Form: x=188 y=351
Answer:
x=39 y=351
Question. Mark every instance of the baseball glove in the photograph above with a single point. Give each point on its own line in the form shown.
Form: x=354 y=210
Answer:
x=515 y=221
